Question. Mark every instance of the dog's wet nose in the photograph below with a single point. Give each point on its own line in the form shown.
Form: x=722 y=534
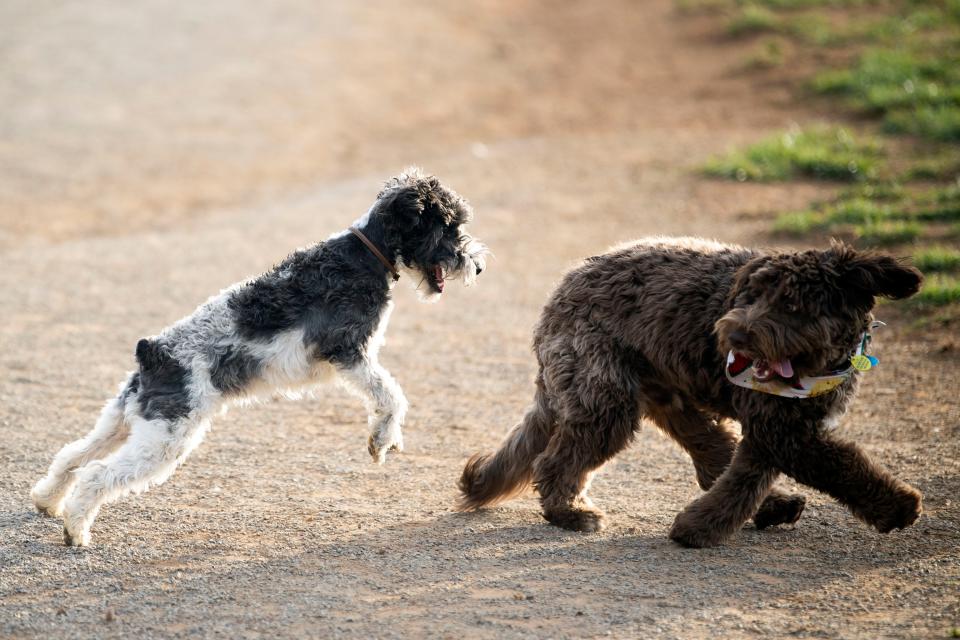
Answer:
x=738 y=339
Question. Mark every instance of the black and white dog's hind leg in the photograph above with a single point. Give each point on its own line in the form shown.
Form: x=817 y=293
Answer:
x=159 y=417
x=108 y=435
x=148 y=457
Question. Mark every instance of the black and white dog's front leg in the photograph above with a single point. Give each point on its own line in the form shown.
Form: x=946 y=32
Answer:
x=386 y=406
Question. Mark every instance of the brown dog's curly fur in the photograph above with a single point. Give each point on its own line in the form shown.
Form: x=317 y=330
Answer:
x=643 y=331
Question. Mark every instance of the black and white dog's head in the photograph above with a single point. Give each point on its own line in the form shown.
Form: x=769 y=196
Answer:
x=425 y=226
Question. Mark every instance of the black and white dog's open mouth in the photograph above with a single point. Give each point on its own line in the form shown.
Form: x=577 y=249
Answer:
x=436 y=278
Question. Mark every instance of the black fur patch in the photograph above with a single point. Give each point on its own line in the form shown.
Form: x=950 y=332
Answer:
x=335 y=291
x=163 y=383
x=133 y=386
x=232 y=370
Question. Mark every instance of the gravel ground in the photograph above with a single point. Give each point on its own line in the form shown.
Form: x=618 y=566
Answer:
x=570 y=126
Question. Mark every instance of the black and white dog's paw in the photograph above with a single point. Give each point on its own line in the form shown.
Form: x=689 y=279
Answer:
x=383 y=441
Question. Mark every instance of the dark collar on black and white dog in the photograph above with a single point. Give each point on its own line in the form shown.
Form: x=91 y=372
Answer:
x=373 y=249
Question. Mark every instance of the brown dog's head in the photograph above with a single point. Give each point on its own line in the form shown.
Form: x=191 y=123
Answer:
x=803 y=313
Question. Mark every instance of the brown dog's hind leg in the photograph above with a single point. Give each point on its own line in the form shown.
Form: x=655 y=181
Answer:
x=599 y=420
x=734 y=497
x=593 y=386
x=711 y=444
x=841 y=470
x=563 y=471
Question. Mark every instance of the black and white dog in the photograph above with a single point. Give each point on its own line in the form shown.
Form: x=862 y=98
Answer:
x=318 y=316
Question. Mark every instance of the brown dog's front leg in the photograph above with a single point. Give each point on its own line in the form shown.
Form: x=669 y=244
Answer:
x=841 y=470
x=733 y=499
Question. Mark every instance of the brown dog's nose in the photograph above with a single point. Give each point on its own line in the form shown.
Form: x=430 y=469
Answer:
x=738 y=339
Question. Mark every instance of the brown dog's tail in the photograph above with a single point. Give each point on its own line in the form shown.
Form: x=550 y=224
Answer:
x=491 y=478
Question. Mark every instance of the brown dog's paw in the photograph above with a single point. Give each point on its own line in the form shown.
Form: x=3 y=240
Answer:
x=585 y=520
x=904 y=511
x=690 y=531
x=779 y=509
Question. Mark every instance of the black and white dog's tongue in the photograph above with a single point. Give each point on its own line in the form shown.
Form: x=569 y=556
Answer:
x=438 y=276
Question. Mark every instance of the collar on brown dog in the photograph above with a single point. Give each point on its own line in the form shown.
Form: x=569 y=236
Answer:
x=373 y=249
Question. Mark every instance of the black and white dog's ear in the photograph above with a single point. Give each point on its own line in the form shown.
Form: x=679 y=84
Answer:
x=403 y=206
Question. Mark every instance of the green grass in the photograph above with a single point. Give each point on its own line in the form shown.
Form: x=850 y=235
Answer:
x=891 y=30
x=939 y=205
x=824 y=153
x=938 y=214
x=808 y=4
x=938 y=290
x=887 y=232
x=886 y=191
x=767 y=56
x=877 y=213
x=798 y=223
x=937 y=260
x=916 y=92
x=940 y=167
x=903 y=70
x=937 y=122
x=718 y=6
x=812 y=29
x=883 y=79
x=702 y=6
x=858 y=211
x=752 y=19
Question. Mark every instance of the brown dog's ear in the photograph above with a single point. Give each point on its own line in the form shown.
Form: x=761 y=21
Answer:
x=883 y=275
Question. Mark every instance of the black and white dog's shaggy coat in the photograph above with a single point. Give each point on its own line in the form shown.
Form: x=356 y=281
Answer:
x=318 y=316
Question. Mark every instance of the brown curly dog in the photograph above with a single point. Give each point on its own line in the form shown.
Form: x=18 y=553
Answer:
x=657 y=329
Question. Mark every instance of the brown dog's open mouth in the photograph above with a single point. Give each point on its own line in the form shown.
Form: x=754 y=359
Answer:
x=765 y=371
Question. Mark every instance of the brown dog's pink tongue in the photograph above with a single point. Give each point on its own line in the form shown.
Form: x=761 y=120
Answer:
x=783 y=367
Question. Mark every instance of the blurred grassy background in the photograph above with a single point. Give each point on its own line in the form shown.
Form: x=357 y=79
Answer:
x=891 y=68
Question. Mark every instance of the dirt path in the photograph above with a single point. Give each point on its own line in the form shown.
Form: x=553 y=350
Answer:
x=570 y=127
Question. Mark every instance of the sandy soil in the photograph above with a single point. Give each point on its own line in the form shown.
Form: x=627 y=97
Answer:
x=152 y=153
